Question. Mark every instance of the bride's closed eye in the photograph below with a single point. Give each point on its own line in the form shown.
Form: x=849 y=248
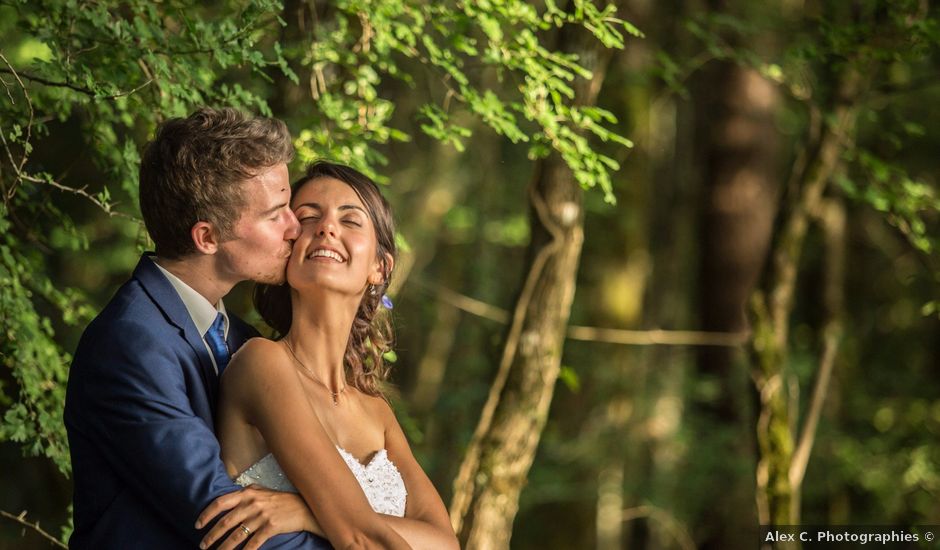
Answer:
x=304 y=214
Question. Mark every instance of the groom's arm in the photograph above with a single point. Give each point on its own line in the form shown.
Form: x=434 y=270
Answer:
x=136 y=399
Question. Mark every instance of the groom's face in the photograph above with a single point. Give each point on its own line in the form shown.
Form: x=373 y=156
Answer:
x=263 y=235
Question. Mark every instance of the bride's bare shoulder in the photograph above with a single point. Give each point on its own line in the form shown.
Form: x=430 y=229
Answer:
x=255 y=346
x=379 y=408
x=257 y=357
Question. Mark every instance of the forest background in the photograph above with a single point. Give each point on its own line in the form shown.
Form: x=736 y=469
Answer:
x=670 y=268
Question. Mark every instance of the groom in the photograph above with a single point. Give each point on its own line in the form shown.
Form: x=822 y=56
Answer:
x=215 y=196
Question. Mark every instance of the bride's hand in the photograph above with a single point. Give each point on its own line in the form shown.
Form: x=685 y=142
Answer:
x=255 y=514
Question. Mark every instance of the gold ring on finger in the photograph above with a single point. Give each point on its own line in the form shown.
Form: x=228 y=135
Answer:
x=245 y=529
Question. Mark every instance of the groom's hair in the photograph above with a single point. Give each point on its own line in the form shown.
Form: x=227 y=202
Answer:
x=193 y=169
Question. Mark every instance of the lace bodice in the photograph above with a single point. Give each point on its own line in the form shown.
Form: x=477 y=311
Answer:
x=380 y=480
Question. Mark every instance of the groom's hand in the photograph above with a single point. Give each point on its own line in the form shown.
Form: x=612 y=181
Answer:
x=255 y=515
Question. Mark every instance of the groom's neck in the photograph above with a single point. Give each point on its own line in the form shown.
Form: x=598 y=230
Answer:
x=200 y=273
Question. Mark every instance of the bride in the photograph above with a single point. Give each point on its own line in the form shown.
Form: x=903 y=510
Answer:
x=305 y=413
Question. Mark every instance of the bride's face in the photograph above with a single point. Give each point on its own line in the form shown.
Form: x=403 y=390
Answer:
x=336 y=249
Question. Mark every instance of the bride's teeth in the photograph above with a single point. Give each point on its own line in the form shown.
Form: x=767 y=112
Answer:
x=326 y=254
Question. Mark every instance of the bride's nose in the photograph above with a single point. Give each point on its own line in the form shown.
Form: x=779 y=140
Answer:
x=327 y=227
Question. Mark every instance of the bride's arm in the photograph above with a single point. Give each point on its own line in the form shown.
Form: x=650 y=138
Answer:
x=276 y=405
x=426 y=524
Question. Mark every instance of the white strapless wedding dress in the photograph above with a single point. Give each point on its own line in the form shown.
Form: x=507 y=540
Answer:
x=380 y=480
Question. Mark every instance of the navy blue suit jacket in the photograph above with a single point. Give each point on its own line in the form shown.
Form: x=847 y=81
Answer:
x=139 y=413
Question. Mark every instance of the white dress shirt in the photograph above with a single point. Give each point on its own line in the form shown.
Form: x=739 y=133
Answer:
x=200 y=310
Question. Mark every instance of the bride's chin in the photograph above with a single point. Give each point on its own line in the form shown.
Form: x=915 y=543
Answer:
x=299 y=278
x=318 y=286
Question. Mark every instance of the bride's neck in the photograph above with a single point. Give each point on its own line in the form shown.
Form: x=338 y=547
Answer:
x=318 y=336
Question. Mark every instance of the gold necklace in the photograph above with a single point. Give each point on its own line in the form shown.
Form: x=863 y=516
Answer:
x=334 y=395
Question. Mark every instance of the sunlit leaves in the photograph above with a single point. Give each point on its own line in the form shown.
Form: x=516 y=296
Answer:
x=439 y=126
x=906 y=202
x=466 y=45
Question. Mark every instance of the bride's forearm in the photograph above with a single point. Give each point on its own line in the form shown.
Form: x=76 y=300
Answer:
x=370 y=532
x=362 y=540
x=421 y=535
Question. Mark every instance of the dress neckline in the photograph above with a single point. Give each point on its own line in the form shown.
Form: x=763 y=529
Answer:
x=342 y=451
x=375 y=455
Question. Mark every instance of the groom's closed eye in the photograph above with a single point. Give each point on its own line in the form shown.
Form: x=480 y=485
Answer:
x=274 y=212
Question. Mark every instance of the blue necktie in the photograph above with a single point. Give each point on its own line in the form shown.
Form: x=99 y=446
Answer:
x=215 y=337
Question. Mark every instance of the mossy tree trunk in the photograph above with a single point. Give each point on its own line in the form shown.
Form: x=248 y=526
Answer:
x=500 y=454
x=782 y=462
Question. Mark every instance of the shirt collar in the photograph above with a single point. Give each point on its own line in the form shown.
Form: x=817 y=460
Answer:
x=202 y=312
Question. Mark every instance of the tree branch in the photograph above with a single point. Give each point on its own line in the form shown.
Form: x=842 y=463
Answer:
x=69 y=85
x=594 y=334
x=80 y=191
x=654 y=337
x=785 y=257
x=832 y=218
x=53 y=83
x=18 y=167
x=21 y=519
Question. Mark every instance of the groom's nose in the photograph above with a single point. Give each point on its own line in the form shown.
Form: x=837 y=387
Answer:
x=293 y=228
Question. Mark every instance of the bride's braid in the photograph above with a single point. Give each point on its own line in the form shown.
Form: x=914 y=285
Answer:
x=371 y=334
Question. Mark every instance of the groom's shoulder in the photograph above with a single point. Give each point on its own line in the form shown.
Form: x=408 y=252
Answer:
x=130 y=315
x=130 y=305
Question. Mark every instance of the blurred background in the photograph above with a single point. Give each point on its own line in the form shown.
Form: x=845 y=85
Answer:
x=670 y=268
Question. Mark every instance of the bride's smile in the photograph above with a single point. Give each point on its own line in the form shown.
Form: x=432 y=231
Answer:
x=336 y=249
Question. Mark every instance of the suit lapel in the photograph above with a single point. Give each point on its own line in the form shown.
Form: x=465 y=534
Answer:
x=156 y=285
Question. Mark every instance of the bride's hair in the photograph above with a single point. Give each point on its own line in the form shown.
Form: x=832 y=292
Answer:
x=371 y=334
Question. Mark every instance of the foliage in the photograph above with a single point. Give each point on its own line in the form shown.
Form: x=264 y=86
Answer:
x=117 y=69
x=422 y=91
x=466 y=46
x=892 y=40
x=906 y=203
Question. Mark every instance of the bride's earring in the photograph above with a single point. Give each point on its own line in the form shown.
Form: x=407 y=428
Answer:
x=372 y=290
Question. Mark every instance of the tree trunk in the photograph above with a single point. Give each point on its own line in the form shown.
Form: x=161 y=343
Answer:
x=741 y=154
x=740 y=159
x=777 y=479
x=497 y=462
x=503 y=447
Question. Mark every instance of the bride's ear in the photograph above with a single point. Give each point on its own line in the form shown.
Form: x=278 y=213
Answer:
x=388 y=265
x=383 y=270
x=205 y=237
